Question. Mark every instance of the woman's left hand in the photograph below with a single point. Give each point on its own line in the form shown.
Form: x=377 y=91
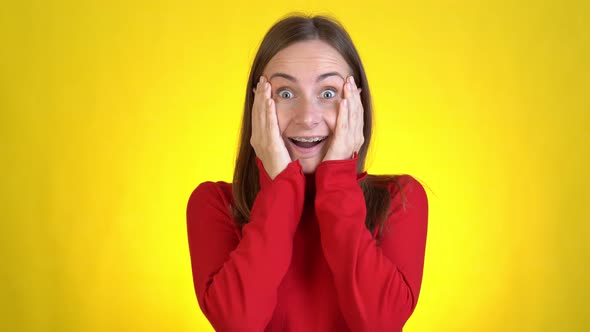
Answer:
x=348 y=134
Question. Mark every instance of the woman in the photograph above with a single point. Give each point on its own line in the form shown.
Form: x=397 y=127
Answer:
x=304 y=239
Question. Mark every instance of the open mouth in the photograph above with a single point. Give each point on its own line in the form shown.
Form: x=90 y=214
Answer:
x=307 y=142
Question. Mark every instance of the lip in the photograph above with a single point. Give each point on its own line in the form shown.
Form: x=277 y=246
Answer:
x=304 y=152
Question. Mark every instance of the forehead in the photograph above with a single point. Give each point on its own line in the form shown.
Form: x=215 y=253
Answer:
x=307 y=60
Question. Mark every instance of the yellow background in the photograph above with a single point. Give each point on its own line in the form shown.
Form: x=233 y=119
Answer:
x=113 y=112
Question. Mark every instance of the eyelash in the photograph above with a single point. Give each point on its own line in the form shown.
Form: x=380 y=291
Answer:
x=279 y=91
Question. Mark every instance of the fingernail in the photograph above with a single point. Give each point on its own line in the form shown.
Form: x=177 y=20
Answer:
x=352 y=79
x=260 y=79
x=350 y=86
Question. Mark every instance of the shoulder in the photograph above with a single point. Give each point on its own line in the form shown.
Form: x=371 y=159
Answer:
x=407 y=193
x=406 y=185
x=209 y=188
x=211 y=194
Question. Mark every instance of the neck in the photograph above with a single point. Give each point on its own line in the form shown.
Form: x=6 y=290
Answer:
x=309 y=186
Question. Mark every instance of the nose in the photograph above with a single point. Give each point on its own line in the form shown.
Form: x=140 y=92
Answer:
x=308 y=114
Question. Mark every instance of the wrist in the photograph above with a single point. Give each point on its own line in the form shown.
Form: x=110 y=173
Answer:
x=277 y=169
x=338 y=156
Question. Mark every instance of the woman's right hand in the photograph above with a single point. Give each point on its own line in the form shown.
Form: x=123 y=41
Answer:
x=266 y=137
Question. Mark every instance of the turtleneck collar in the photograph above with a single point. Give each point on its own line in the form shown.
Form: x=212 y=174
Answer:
x=310 y=182
x=310 y=178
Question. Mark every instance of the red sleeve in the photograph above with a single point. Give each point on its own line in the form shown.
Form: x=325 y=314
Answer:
x=236 y=280
x=377 y=286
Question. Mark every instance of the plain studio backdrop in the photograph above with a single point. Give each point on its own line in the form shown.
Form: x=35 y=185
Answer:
x=114 y=111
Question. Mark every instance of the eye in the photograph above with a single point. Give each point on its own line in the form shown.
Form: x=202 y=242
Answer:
x=328 y=94
x=285 y=94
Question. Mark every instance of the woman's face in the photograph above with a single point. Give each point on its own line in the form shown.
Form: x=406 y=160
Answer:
x=307 y=80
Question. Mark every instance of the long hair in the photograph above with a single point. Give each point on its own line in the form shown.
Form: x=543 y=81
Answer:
x=289 y=30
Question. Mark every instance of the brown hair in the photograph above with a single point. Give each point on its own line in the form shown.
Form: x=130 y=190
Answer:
x=296 y=28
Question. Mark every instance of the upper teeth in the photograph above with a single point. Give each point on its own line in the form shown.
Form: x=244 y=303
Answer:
x=308 y=139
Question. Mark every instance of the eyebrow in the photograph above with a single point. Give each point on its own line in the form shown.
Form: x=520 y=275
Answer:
x=294 y=80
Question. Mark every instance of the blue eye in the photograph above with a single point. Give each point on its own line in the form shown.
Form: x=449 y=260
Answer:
x=286 y=94
x=328 y=94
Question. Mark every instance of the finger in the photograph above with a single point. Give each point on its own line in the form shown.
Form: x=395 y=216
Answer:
x=267 y=90
x=356 y=110
x=258 y=119
x=357 y=119
x=272 y=121
x=351 y=104
x=355 y=93
x=347 y=88
x=273 y=124
x=269 y=118
x=342 y=119
x=260 y=85
x=349 y=94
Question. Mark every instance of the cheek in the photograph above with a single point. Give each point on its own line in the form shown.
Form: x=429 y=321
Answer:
x=330 y=115
x=283 y=117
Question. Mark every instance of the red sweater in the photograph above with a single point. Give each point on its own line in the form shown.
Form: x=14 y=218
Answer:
x=306 y=261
